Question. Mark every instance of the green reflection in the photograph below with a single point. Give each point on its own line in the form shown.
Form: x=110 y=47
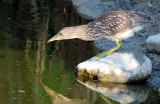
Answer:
x=56 y=77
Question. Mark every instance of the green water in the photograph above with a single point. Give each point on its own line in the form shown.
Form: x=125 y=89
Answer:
x=34 y=72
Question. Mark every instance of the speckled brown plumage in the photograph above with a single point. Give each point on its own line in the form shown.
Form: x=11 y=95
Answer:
x=116 y=22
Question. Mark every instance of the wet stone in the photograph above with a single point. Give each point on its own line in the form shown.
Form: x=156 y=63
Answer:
x=123 y=66
x=153 y=43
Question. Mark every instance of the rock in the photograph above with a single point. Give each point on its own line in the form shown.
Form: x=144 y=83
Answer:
x=153 y=43
x=77 y=3
x=91 y=9
x=155 y=61
x=123 y=66
x=124 y=4
x=154 y=79
x=84 y=9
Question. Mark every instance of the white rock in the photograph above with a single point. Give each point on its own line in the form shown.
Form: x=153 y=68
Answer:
x=122 y=66
x=153 y=43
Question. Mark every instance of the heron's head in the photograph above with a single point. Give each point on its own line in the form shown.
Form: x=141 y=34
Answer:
x=65 y=33
x=70 y=33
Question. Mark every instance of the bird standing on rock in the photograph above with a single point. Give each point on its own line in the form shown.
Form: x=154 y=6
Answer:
x=114 y=26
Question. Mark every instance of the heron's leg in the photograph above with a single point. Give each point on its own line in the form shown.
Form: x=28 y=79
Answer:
x=119 y=44
x=106 y=53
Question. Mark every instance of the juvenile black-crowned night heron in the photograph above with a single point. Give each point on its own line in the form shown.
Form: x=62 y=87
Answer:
x=114 y=26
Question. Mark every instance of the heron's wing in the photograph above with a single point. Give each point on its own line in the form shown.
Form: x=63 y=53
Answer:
x=112 y=23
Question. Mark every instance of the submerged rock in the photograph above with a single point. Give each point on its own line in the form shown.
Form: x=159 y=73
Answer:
x=153 y=43
x=123 y=66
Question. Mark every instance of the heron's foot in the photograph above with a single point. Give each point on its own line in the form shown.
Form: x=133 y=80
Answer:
x=97 y=56
x=104 y=54
x=101 y=55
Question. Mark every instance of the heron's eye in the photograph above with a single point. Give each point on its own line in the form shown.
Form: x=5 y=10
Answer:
x=60 y=34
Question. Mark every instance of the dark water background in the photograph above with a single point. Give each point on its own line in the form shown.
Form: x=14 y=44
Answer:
x=27 y=62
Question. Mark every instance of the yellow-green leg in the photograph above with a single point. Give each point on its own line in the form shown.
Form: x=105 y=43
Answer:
x=106 y=53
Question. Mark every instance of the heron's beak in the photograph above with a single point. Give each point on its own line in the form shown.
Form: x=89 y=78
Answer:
x=56 y=37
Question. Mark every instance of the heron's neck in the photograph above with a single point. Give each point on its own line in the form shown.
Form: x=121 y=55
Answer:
x=80 y=31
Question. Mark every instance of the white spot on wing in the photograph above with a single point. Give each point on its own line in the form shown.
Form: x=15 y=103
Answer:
x=119 y=16
x=124 y=18
x=109 y=31
x=121 y=24
x=132 y=20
